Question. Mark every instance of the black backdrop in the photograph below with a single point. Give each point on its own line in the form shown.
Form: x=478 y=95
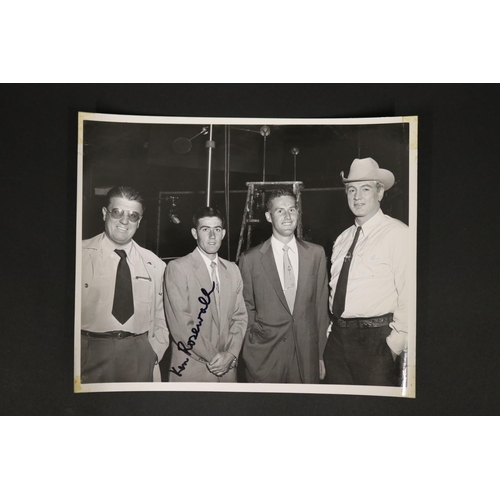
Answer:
x=457 y=338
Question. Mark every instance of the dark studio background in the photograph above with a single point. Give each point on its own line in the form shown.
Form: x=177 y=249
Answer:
x=170 y=160
x=152 y=158
x=457 y=348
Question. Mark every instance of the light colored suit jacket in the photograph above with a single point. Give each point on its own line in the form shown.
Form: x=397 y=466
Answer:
x=269 y=318
x=186 y=277
x=154 y=267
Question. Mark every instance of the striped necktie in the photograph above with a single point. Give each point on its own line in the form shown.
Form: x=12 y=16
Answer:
x=288 y=279
x=215 y=280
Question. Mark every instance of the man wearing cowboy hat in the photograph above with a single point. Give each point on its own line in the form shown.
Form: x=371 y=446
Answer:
x=368 y=286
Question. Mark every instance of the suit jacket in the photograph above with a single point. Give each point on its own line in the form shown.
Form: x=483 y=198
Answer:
x=185 y=279
x=269 y=318
x=154 y=267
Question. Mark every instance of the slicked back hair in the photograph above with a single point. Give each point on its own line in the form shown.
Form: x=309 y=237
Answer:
x=207 y=212
x=278 y=193
x=127 y=193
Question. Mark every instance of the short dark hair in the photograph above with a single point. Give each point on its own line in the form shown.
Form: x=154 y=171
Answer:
x=125 y=192
x=207 y=212
x=278 y=193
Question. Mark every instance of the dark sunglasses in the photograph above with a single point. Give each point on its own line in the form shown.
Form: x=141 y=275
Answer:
x=117 y=213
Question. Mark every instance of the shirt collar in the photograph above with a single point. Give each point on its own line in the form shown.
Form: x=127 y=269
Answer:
x=207 y=260
x=108 y=247
x=278 y=246
x=368 y=226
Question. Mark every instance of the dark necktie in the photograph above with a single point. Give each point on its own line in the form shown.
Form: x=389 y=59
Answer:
x=341 y=290
x=123 y=303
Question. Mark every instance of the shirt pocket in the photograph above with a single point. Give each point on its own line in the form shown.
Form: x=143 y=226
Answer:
x=100 y=290
x=370 y=265
x=143 y=290
x=337 y=262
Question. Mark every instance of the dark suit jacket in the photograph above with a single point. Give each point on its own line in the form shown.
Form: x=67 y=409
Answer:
x=185 y=277
x=270 y=320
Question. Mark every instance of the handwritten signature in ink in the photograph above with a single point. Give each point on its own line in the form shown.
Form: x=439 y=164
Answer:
x=205 y=300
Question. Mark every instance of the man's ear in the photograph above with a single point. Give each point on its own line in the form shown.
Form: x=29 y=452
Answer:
x=380 y=194
x=104 y=213
x=223 y=234
x=194 y=233
x=268 y=216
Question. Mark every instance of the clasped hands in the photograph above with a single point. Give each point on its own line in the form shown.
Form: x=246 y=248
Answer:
x=221 y=363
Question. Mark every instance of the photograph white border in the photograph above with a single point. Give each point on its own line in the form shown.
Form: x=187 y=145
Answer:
x=409 y=390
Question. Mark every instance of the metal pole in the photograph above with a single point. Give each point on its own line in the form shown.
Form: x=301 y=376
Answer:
x=158 y=225
x=227 y=166
x=295 y=152
x=210 y=144
x=264 y=132
x=264 y=162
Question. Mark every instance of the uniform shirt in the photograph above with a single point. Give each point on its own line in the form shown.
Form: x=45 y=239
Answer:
x=293 y=255
x=96 y=309
x=377 y=276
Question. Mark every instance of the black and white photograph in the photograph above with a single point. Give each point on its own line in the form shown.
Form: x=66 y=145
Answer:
x=220 y=216
x=246 y=255
x=176 y=178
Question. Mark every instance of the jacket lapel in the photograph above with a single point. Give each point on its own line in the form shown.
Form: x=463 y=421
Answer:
x=147 y=270
x=225 y=290
x=145 y=267
x=304 y=270
x=205 y=281
x=269 y=264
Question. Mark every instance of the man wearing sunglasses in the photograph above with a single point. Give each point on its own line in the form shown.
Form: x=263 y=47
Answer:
x=123 y=328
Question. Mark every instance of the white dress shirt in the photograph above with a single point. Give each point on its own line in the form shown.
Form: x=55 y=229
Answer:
x=208 y=263
x=293 y=255
x=377 y=276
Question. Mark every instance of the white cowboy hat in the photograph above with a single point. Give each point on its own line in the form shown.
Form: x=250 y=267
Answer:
x=367 y=169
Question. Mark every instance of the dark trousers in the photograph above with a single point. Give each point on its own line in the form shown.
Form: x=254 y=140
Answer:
x=360 y=356
x=130 y=359
x=285 y=371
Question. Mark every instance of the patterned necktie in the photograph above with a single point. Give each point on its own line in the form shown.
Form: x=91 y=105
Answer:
x=341 y=290
x=123 y=302
x=288 y=279
x=213 y=265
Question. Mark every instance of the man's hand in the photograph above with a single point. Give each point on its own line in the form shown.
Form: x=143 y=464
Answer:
x=221 y=363
x=322 y=369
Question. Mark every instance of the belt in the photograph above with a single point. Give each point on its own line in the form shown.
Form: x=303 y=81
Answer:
x=115 y=334
x=373 y=322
